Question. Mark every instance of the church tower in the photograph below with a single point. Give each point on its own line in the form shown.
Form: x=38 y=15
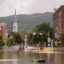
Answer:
x=15 y=24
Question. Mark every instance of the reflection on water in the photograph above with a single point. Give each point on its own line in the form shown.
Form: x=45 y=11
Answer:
x=1 y=55
x=13 y=57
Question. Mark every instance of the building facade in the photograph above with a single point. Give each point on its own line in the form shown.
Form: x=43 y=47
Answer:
x=15 y=24
x=3 y=31
x=58 y=21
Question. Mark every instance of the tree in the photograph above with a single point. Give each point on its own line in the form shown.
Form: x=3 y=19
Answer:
x=33 y=39
x=51 y=32
x=1 y=41
x=17 y=37
x=62 y=37
x=44 y=28
x=10 y=41
x=37 y=38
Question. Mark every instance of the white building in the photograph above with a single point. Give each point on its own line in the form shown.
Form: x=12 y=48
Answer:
x=15 y=24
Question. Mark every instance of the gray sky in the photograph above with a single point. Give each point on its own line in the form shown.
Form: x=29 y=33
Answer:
x=7 y=7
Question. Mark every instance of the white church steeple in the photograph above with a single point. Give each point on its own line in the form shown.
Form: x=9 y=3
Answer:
x=15 y=24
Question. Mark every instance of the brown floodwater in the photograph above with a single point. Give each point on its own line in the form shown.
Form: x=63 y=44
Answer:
x=14 y=57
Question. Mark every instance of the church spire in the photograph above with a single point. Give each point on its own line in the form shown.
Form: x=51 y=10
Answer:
x=15 y=24
x=15 y=16
x=15 y=12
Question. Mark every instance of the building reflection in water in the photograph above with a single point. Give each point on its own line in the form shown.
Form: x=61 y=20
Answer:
x=57 y=58
x=9 y=57
x=48 y=58
x=5 y=56
x=14 y=59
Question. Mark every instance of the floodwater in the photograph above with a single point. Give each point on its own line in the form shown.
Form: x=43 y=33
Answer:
x=14 y=57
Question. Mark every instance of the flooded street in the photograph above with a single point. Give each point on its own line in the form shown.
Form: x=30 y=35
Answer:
x=14 y=57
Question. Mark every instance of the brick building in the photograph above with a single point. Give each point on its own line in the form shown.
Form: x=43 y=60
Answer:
x=3 y=31
x=58 y=21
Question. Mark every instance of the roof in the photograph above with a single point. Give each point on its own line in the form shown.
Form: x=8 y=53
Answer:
x=61 y=7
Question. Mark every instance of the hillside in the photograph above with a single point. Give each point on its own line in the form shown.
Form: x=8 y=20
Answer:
x=26 y=22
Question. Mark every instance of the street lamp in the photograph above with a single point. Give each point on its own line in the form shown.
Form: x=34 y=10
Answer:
x=40 y=33
x=34 y=33
x=49 y=40
x=26 y=39
x=37 y=34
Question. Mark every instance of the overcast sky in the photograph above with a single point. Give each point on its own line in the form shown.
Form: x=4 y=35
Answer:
x=7 y=7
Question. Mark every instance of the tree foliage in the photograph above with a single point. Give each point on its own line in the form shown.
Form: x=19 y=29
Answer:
x=17 y=37
x=37 y=39
x=62 y=37
x=43 y=28
x=10 y=41
x=51 y=32
x=1 y=41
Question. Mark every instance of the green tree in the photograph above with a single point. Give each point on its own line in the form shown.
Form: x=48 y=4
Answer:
x=62 y=37
x=17 y=37
x=1 y=41
x=44 y=28
x=37 y=38
x=33 y=39
x=10 y=41
x=51 y=32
